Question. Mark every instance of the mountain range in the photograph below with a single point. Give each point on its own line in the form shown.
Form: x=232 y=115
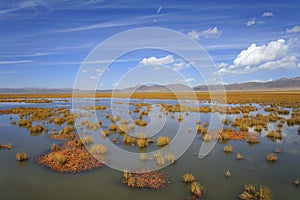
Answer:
x=279 y=84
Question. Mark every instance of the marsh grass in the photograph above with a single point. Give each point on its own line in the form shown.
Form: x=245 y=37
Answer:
x=272 y=157
x=98 y=149
x=163 y=141
x=196 y=189
x=21 y=156
x=253 y=192
x=228 y=149
x=188 y=178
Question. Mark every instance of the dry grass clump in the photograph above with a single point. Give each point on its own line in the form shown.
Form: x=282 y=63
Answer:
x=225 y=121
x=227 y=173
x=140 y=122
x=87 y=140
x=21 y=156
x=55 y=147
x=253 y=192
x=123 y=128
x=228 y=149
x=105 y=133
x=196 y=189
x=58 y=120
x=58 y=158
x=25 y=123
x=258 y=128
x=6 y=146
x=113 y=127
x=283 y=112
x=66 y=132
x=144 y=179
x=141 y=143
x=274 y=135
x=188 y=178
x=252 y=139
x=115 y=118
x=98 y=149
x=163 y=141
x=36 y=129
x=127 y=139
x=272 y=157
x=239 y=156
x=180 y=117
x=297 y=181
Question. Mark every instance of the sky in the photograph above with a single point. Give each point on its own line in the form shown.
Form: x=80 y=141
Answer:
x=43 y=43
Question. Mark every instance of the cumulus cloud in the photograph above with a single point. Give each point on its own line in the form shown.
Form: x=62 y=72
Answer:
x=209 y=33
x=272 y=56
x=253 y=22
x=190 y=80
x=176 y=64
x=254 y=54
x=158 y=61
x=267 y=14
x=294 y=29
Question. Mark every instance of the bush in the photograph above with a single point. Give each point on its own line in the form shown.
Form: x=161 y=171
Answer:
x=24 y=123
x=141 y=143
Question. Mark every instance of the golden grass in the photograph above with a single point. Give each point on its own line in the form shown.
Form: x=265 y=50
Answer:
x=21 y=156
x=188 y=178
x=272 y=157
x=231 y=96
x=253 y=192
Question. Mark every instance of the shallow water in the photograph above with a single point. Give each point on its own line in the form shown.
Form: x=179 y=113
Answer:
x=28 y=180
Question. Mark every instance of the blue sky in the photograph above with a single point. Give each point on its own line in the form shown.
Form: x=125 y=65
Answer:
x=43 y=42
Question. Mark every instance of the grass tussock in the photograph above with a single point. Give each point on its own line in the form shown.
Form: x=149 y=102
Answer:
x=98 y=149
x=253 y=192
x=272 y=157
x=163 y=141
x=21 y=156
x=188 y=178
x=228 y=149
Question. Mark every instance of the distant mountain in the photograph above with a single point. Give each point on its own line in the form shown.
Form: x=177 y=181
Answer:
x=279 y=84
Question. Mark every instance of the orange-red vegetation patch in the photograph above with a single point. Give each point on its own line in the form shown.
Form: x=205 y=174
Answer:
x=70 y=158
x=235 y=135
x=145 y=179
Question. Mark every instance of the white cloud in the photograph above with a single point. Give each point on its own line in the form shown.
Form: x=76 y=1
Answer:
x=158 y=61
x=158 y=10
x=222 y=65
x=190 y=80
x=272 y=56
x=295 y=29
x=15 y=62
x=254 y=54
x=253 y=22
x=267 y=14
x=260 y=81
x=209 y=33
